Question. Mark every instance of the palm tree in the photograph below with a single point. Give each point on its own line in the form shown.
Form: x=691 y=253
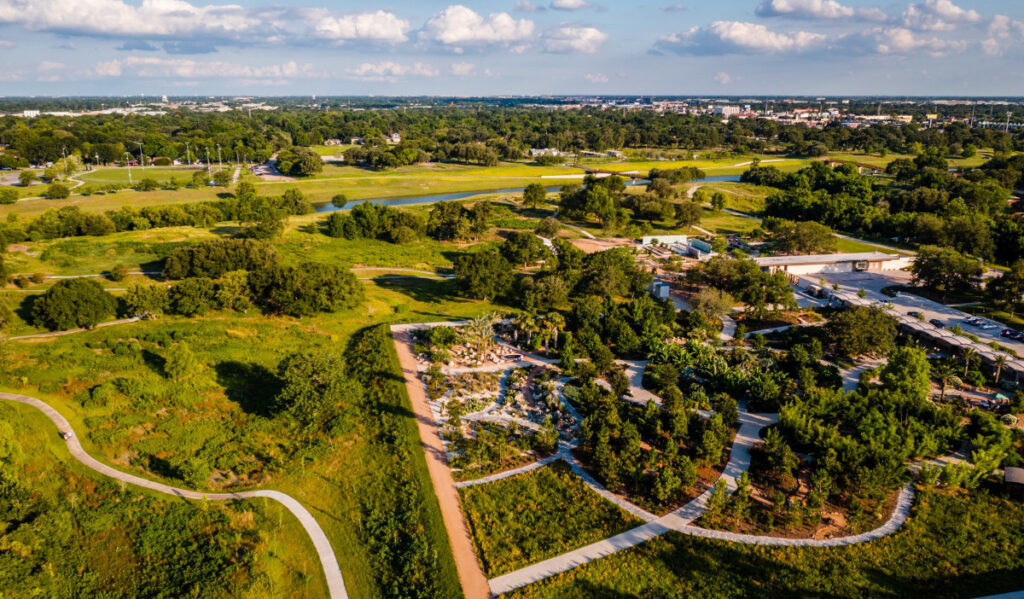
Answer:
x=946 y=373
x=968 y=355
x=1001 y=360
x=481 y=332
x=555 y=322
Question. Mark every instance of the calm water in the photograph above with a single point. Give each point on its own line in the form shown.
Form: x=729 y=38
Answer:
x=462 y=195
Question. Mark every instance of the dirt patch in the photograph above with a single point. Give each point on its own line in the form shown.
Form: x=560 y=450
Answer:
x=593 y=246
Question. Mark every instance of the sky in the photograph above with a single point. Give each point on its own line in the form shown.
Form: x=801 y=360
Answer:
x=512 y=47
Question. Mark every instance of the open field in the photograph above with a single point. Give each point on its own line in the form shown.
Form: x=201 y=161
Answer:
x=220 y=415
x=953 y=546
x=93 y=535
x=159 y=174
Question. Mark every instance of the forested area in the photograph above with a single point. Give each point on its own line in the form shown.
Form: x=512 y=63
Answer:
x=478 y=135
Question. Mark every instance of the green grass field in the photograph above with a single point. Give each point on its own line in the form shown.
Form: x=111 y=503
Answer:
x=86 y=535
x=531 y=517
x=953 y=546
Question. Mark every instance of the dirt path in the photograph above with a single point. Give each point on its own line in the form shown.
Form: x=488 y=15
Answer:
x=471 y=575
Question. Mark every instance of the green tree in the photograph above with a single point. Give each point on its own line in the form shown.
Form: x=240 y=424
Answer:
x=688 y=214
x=180 y=363
x=483 y=275
x=534 y=195
x=1008 y=289
x=27 y=178
x=143 y=300
x=8 y=195
x=147 y=184
x=907 y=373
x=222 y=178
x=861 y=330
x=718 y=200
x=945 y=270
x=73 y=303
x=316 y=389
x=57 y=191
x=712 y=302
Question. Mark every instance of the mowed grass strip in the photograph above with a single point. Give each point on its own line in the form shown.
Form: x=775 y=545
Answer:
x=525 y=519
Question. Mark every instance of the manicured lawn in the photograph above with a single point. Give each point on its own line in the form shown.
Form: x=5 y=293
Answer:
x=531 y=517
x=953 y=546
x=159 y=174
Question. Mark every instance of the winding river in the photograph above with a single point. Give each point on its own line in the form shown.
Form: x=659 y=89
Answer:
x=462 y=195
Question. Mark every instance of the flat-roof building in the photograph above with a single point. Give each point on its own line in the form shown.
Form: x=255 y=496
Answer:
x=834 y=263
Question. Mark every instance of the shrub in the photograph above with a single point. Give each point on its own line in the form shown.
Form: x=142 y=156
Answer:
x=73 y=303
x=180 y=363
x=190 y=297
x=8 y=195
x=118 y=273
x=57 y=191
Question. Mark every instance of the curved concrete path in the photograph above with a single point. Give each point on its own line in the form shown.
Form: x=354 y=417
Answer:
x=73 y=331
x=335 y=582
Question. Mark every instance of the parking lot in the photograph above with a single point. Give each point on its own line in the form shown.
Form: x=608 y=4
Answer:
x=873 y=282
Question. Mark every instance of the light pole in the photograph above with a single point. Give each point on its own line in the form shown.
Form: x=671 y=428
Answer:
x=207 y=161
x=220 y=165
x=188 y=155
x=141 y=156
x=128 y=163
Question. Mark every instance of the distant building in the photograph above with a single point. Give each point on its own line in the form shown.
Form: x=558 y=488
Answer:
x=356 y=141
x=727 y=110
x=615 y=154
x=395 y=138
x=834 y=263
x=332 y=142
x=535 y=152
x=663 y=239
x=30 y=114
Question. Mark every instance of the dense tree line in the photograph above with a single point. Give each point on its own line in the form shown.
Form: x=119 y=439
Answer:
x=370 y=221
x=468 y=134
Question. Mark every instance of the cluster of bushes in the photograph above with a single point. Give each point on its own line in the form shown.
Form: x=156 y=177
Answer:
x=215 y=275
x=369 y=221
x=382 y=156
x=677 y=175
x=299 y=162
x=264 y=215
x=764 y=293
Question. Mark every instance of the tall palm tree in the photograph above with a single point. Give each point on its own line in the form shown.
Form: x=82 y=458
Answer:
x=1001 y=360
x=968 y=355
x=481 y=332
x=946 y=373
x=555 y=322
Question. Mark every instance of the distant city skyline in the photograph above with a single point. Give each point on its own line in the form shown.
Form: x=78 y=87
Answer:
x=529 y=47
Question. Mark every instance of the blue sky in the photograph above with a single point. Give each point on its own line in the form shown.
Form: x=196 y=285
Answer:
x=722 y=47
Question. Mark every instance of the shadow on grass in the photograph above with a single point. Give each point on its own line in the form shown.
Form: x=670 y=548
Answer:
x=252 y=386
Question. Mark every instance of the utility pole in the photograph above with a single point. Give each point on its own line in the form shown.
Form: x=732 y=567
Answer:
x=973 y=107
x=207 y=161
x=128 y=163
x=188 y=155
x=1008 y=113
x=219 y=164
x=142 y=160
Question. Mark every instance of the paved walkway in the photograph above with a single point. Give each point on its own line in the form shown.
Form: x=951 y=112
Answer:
x=73 y=331
x=335 y=582
x=510 y=473
x=851 y=376
x=471 y=575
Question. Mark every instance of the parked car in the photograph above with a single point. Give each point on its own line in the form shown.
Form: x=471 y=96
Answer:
x=1008 y=333
x=913 y=314
x=65 y=435
x=936 y=322
x=988 y=326
x=973 y=321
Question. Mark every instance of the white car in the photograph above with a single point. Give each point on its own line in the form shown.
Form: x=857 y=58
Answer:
x=988 y=326
x=66 y=435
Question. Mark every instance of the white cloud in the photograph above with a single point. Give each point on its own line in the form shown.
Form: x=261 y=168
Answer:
x=596 y=77
x=937 y=15
x=817 y=9
x=568 y=39
x=211 y=24
x=527 y=6
x=732 y=37
x=899 y=40
x=674 y=8
x=569 y=4
x=391 y=71
x=458 y=26
x=379 y=26
x=48 y=65
x=723 y=78
x=1003 y=32
x=6 y=44
x=463 y=69
x=146 y=66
